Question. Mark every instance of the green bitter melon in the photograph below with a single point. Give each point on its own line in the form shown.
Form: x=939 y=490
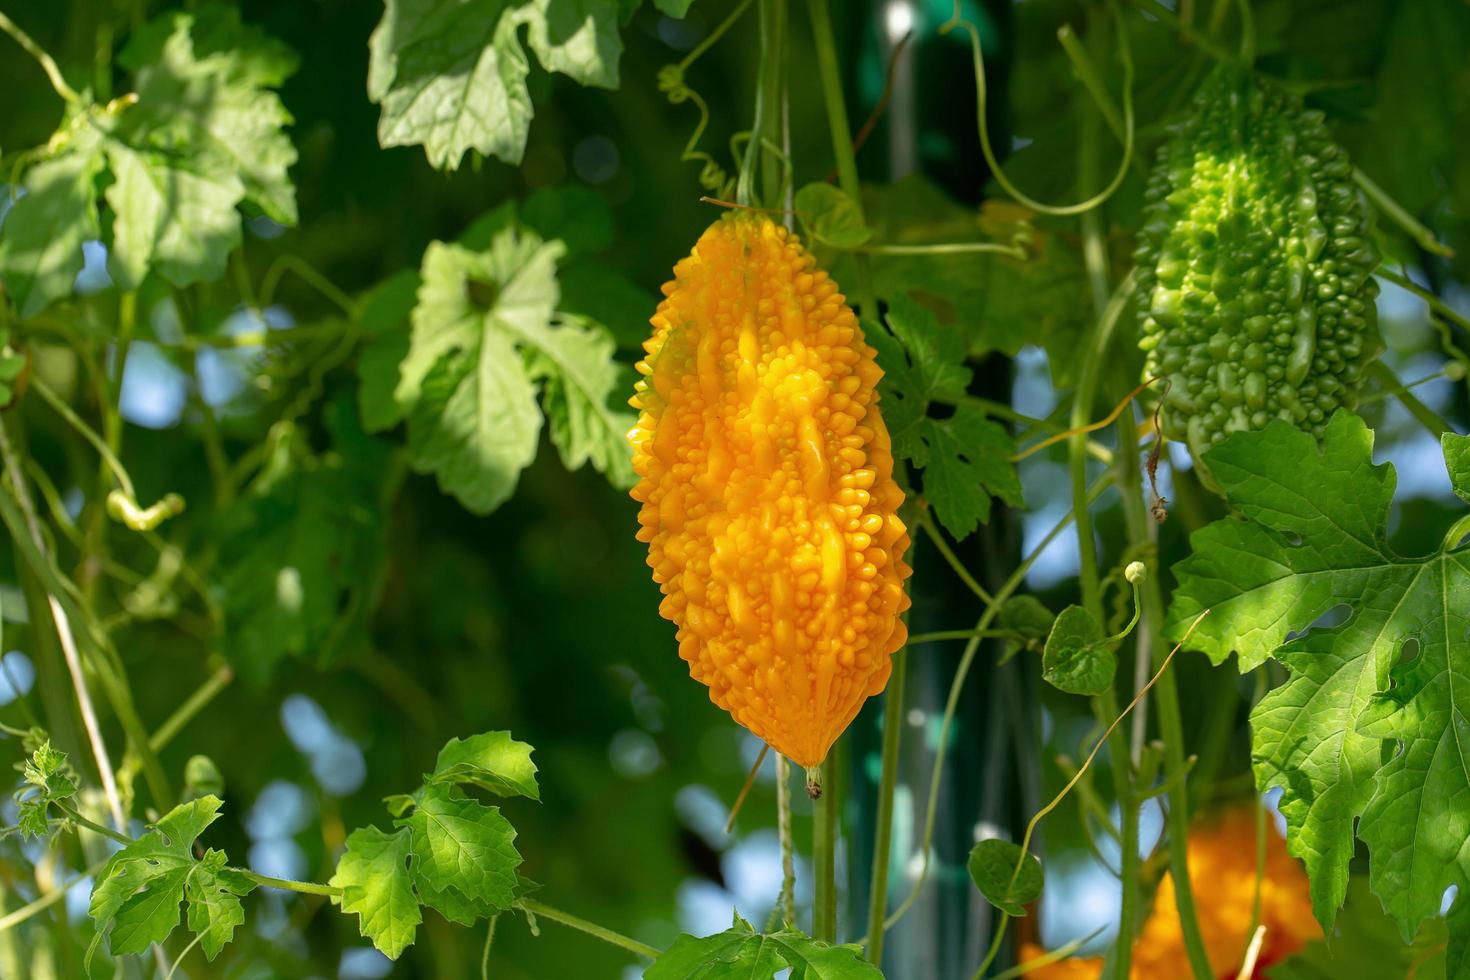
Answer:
x=1254 y=267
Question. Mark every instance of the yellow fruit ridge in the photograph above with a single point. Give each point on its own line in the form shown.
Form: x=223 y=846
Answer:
x=766 y=479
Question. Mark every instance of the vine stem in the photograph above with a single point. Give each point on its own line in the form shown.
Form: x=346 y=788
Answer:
x=485 y=953
x=957 y=684
x=71 y=418
x=304 y=887
x=33 y=908
x=940 y=635
x=787 y=901
x=1422 y=413
x=926 y=521
x=893 y=703
x=48 y=64
x=65 y=635
x=1125 y=54
x=1109 y=312
x=590 y=928
x=1141 y=529
x=847 y=172
x=195 y=703
x=824 y=853
x=76 y=817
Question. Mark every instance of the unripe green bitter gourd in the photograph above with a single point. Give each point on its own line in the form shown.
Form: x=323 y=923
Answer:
x=1254 y=267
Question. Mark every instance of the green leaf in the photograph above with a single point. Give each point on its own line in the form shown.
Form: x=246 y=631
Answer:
x=674 y=8
x=214 y=892
x=298 y=550
x=578 y=38
x=493 y=761
x=460 y=845
x=741 y=953
x=1366 y=946
x=150 y=915
x=183 y=224
x=376 y=887
x=1312 y=537
x=579 y=217
x=994 y=302
x=1457 y=460
x=205 y=100
x=993 y=868
x=1077 y=658
x=580 y=380
x=1026 y=616
x=41 y=235
x=49 y=778
x=384 y=320
x=138 y=892
x=451 y=76
x=49 y=771
x=474 y=421
x=966 y=457
x=215 y=29
x=830 y=216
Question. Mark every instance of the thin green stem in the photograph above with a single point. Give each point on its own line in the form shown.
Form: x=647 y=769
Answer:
x=33 y=908
x=714 y=35
x=59 y=405
x=1054 y=956
x=926 y=520
x=1142 y=531
x=62 y=623
x=304 y=887
x=1395 y=212
x=830 y=74
x=180 y=958
x=977 y=54
x=787 y=903
x=750 y=162
x=48 y=64
x=194 y=704
x=941 y=248
x=938 y=636
x=544 y=911
x=1109 y=312
x=1260 y=828
x=824 y=854
x=1192 y=34
x=308 y=274
x=1434 y=302
x=1379 y=396
x=1247 y=31
x=75 y=817
x=1425 y=415
x=485 y=953
x=957 y=685
x=1457 y=533
x=893 y=710
x=995 y=941
x=1090 y=77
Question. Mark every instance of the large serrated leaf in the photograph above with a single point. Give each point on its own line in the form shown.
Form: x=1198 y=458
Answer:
x=1313 y=537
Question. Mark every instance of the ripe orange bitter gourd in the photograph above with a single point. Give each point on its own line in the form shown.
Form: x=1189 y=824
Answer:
x=766 y=479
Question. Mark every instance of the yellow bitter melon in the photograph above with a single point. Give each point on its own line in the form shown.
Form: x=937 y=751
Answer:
x=766 y=478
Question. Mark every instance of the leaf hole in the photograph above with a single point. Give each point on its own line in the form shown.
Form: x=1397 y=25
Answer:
x=481 y=294
x=1409 y=651
x=1331 y=619
x=940 y=412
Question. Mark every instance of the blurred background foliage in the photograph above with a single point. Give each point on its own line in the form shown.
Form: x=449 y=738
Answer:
x=540 y=618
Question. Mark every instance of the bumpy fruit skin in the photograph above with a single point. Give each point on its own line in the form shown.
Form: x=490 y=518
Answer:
x=1254 y=267
x=766 y=478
